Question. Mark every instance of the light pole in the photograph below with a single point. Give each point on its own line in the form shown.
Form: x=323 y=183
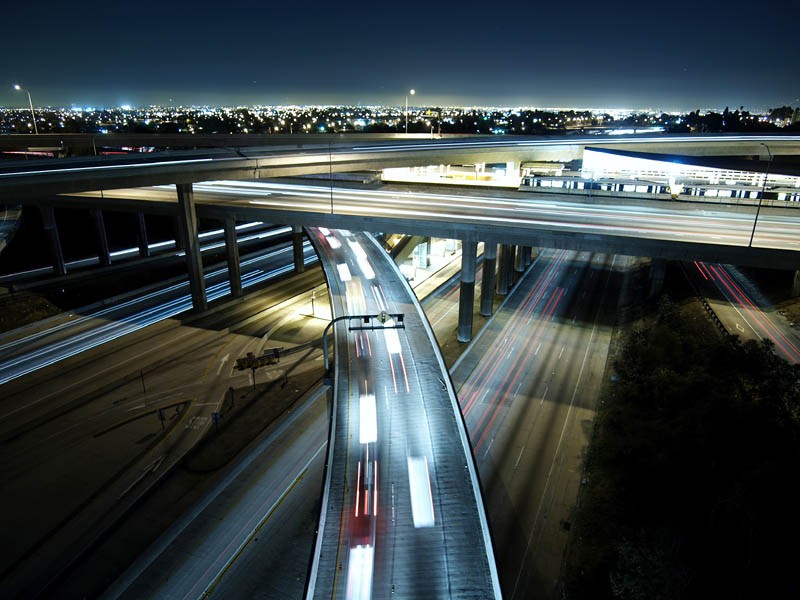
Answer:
x=761 y=197
x=412 y=92
x=30 y=103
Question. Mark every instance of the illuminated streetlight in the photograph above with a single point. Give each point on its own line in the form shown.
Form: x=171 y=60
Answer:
x=761 y=197
x=412 y=92
x=30 y=102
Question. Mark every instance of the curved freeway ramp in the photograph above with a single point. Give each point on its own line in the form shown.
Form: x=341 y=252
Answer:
x=402 y=514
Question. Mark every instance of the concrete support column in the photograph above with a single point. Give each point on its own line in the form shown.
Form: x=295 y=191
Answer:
x=187 y=221
x=796 y=284
x=505 y=257
x=232 y=252
x=466 y=297
x=297 y=249
x=508 y=266
x=487 y=284
x=519 y=259
x=103 y=253
x=526 y=253
x=141 y=235
x=51 y=231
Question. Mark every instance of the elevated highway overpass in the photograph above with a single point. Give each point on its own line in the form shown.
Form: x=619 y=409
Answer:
x=669 y=230
x=665 y=230
x=25 y=181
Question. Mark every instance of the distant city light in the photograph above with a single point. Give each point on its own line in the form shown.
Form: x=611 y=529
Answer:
x=295 y=120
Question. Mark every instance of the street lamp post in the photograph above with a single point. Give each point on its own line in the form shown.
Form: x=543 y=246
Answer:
x=412 y=92
x=761 y=197
x=30 y=103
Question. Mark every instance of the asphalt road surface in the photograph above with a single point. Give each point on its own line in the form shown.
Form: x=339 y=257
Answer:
x=528 y=387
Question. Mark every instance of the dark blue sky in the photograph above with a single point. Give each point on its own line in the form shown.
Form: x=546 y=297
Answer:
x=680 y=55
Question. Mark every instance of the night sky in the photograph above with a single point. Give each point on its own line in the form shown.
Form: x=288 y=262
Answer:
x=672 y=56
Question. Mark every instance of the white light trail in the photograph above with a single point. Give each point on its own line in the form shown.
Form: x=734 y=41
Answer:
x=421 y=496
x=359 y=573
x=368 y=419
x=344 y=272
x=392 y=339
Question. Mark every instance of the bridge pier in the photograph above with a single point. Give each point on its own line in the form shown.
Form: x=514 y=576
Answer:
x=519 y=259
x=466 y=297
x=796 y=284
x=103 y=253
x=487 y=284
x=297 y=249
x=51 y=231
x=505 y=260
x=141 y=236
x=187 y=226
x=232 y=254
x=526 y=255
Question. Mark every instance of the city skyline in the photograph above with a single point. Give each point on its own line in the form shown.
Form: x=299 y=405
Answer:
x=613 y=57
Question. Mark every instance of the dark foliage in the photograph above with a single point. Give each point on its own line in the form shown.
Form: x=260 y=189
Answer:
x=692 y=471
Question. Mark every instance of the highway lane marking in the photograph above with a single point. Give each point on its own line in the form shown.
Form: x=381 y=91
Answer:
x=216 y=579
x=563 y=428
x=547 y=389
x=222 y=362
x=177 y=529
x=151 y=467
x=489 y=447
x=516 y=464
x=560 y=354
x=539 y=347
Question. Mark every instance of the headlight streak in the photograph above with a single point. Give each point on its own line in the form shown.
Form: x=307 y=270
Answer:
x=359 y=573
x=93 y=260
x=621 y=213
x=344 y=272
x=106 y=167
x=368 y=419
x=53 y=353
x=419 y=483
x=710 y=226
x=133 y=302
